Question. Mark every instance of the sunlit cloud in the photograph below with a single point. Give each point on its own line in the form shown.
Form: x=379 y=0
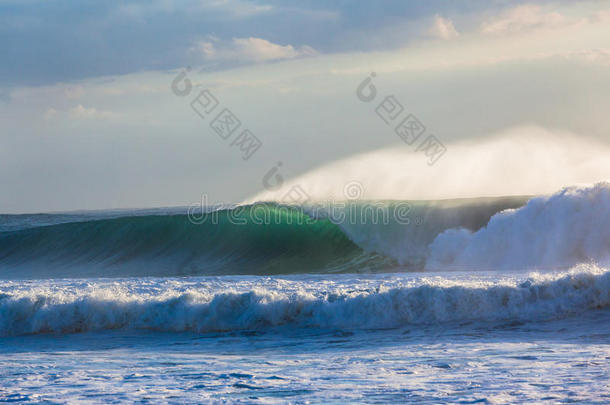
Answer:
x=524 y=17
x=80 y=111
x=443 y=28
x=248 y=50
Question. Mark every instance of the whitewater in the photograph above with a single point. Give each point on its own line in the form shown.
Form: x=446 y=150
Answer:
x=468 y=300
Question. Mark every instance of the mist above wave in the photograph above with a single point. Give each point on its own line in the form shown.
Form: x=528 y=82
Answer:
x=527 y=160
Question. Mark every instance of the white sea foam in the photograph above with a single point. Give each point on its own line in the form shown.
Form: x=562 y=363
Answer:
x=238 y=304
x=569 y=227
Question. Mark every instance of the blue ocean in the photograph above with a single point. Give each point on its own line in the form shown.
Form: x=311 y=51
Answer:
x=480 y=300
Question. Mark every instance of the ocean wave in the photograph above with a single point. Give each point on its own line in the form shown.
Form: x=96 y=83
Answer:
x=499 y=233
x=262 y=238
x=434 y=301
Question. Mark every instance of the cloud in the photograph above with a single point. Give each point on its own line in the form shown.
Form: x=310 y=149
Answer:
x=261 y=50
x=79 y=112
x=524 y=17
x=50 y=114
x=443 y=28
x=600 y=16
x=597 y=56
x=249 y=50
x=91 y=113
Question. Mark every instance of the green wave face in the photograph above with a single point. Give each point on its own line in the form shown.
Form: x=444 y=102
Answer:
x=259 y=239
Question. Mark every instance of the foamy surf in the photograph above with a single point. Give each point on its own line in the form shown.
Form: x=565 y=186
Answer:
x=220 y=305
x=566 y=228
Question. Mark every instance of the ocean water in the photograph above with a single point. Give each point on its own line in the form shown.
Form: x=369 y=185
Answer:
x=490 y=300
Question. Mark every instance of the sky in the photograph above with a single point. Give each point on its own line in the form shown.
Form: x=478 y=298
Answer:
x=103 y=104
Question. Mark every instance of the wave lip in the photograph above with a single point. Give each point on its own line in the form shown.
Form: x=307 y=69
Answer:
x=540 y=297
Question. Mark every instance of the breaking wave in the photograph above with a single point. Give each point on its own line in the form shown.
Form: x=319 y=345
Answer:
x=558 y=231
x=164 y=307
x=569 y=227
x=260 y=239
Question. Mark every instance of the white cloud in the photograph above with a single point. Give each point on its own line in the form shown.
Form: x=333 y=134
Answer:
x=249 y=50
x=259 y=49
x=443 y=28
x=207 y=48
x=50 y=114
x=524 y=17
x=83 y=112
x=78 y=111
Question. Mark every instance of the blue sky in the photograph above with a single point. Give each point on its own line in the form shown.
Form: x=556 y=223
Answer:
x=89 y=120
